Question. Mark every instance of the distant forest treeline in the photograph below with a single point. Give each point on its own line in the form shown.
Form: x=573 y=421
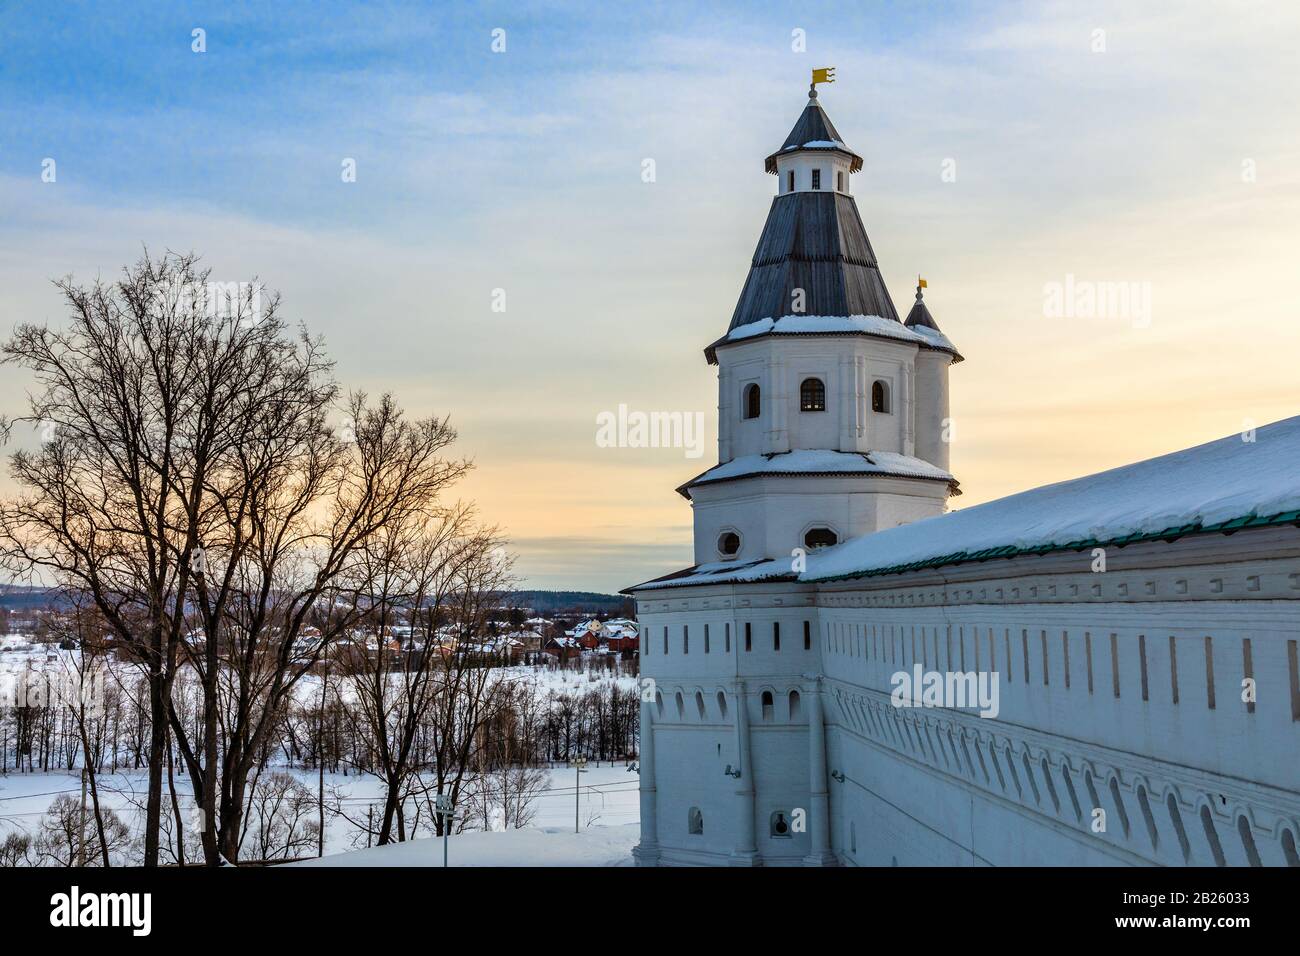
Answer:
x=552 y=602
x=17 y=597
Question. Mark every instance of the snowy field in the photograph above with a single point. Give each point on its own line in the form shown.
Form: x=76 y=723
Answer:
x=546 y=680
x=19 y=653
x=607 y=811
x=608 y=814
x=530 y=846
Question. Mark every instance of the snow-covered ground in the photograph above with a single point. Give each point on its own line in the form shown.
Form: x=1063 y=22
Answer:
x=607 y=809
x=607 y=812
x=608 y=815
x=530 y=846
x=18 y=652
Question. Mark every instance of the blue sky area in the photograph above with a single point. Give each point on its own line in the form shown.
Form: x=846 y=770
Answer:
x=521 y=171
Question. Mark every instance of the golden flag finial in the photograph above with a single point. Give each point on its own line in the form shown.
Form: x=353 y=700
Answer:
x=825 y=74
x=920 y=284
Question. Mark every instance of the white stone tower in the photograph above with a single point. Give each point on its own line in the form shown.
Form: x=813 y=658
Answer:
x=832 y=413
x=831 y=425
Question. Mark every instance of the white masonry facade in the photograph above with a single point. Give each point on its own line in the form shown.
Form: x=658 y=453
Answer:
x=1148 y=711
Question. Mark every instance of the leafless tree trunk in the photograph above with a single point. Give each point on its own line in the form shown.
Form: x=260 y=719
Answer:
x=124 y=407
x=189 y=484
x=439 y=578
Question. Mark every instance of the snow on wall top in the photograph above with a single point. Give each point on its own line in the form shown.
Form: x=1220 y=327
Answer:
x=851 y=324
x=1225 y=480
x=1220 y=481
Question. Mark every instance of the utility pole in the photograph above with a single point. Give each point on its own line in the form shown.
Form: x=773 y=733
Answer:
x=81 y=851
x=580 y=764
x=320 y=757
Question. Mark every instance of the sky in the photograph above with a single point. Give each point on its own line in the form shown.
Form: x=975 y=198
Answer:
x=1010 y=149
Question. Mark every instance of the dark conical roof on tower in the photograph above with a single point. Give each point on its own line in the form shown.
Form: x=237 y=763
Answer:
x=813 y=244
x=920 y=315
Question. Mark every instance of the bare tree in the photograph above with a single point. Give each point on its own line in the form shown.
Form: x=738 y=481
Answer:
x=296 y=568
x=128 y=408
x=422 y=701
x=16 y=849
x=83 y=693
x=191 y=487
x=60 y=833
x=278 y=824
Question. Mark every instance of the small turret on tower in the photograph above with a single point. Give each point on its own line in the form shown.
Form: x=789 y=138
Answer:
x=933 y=424
x=920 y=315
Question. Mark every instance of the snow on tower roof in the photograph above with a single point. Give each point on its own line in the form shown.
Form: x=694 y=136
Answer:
x=1222 y=486
x=809 y=461
x=874 y=325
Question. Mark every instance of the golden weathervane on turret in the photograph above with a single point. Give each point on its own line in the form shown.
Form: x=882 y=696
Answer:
x=824 y=75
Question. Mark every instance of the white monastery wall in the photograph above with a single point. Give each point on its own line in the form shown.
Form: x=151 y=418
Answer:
x=1149 y=725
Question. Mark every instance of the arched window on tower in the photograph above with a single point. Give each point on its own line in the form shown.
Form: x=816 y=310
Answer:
x=790 y=179
x=767 y=704
x=880 y=397
x=812 y=395
x=695 y=821
x=753 y=400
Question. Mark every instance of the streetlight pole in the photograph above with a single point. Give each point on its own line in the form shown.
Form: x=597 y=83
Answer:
x=445 y=810
x=81 y=850
x=580 y=765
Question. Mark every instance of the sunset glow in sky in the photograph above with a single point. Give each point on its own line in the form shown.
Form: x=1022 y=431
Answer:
x=1169 y=159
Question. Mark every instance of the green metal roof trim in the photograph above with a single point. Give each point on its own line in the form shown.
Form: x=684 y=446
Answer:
x=1011 y=551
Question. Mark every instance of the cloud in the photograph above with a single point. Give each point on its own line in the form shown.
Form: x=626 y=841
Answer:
x=522 y=172
x=556 y=561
